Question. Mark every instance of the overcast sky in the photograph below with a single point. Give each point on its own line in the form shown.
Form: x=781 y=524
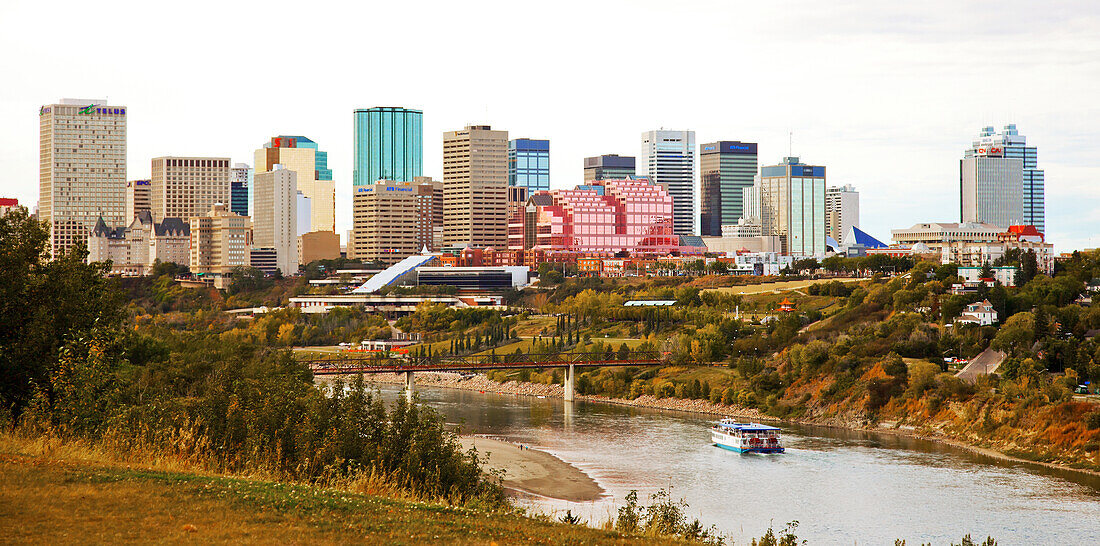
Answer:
x=886 y=96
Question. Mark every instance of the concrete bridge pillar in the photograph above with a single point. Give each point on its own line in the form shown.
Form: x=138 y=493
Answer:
x=569 y=384
x=409 y=387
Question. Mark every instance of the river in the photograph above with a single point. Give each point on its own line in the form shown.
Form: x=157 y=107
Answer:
x=844 y=487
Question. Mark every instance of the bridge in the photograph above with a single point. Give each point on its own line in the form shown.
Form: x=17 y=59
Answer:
x=344 y=364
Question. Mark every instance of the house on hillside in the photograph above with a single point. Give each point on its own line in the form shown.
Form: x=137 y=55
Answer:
x=982 y=314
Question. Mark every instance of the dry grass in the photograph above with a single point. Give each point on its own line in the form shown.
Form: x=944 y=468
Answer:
x=62 y=492
x=775 y=286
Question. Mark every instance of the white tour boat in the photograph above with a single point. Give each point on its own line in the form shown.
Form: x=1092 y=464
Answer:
x=746 y=437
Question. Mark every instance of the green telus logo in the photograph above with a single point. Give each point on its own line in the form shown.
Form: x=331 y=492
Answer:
x=90 y=109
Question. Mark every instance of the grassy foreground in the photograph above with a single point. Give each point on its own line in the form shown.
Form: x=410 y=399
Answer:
x=56 y=498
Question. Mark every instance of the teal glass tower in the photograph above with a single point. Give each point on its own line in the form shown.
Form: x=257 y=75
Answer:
x=389 y=144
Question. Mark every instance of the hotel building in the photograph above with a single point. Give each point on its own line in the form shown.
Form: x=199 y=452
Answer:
x=82 y=169
x=185 y=187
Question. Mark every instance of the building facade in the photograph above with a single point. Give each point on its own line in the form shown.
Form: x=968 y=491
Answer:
x=629 y=216
x=240 y=189
x=389 y=144
x=184 y=187
x=792 y=206
x=475 y=187
x=668 y=159
x=841 y=211
x=991 y=189
x=385 y=217
x=429 y=213
x=609 y=167
x=275 y=224
x=314 y=178
x=529 y=164
x=82 y=169
x=1013 y=145
x=726 y=169
x=220 y=241
x=138 y=198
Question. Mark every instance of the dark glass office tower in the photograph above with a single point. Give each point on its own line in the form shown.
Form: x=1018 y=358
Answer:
x=726 y=168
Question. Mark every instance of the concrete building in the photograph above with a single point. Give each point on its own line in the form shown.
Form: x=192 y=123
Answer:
x=668 y=159
x=134 y=249
x=138 y=198
x=8 y=204
x=475 y=187
x=389 y=144
x=1013 y=145
x=935 y=234
x=727 y=169
x=385 y=216
x=185 y=187
x=303 y=208
x=220 y=241
x=792 y=206
x=82 y=168
x=529 y=164
x=240 y=189
x=314 y=178
x=275 y=223
x=608 y=167
x=318 y=245
x=841 y=211
x=429 y=212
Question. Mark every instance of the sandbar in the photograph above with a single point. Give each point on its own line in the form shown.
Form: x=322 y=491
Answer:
x=535 y=472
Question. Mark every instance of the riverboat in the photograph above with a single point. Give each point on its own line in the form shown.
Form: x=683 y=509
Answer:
x=746 y=437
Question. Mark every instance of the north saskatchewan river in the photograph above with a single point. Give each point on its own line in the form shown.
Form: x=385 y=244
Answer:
x=843 y=487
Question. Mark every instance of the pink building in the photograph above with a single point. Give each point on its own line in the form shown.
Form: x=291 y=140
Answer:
x=605 y=218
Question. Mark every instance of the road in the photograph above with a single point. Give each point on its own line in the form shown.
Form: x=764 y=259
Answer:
x=985 y=363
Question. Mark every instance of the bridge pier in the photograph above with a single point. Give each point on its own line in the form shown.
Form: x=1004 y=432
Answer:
x=409 y=387
x=569 y=384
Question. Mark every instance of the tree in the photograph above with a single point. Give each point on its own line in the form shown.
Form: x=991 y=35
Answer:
x=43 y=306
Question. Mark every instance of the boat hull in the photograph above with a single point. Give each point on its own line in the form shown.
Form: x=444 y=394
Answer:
x=726 y=442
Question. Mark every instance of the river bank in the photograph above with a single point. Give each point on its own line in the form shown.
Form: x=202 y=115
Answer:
x=481 y=383
x=534 y=472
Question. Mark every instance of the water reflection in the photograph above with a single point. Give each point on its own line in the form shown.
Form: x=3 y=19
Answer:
x=845 y=487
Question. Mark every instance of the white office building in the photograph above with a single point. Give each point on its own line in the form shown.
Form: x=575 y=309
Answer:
x=668 y=159
x=841 y=211
x=275 y=223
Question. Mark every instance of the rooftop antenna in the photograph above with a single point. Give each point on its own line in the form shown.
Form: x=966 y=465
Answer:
x=790 y=143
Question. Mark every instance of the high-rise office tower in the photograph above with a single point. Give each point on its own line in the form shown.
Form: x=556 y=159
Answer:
x=389 y=144
x=475 y=187
x=982 y=175
x=240 y=188
x=185 y=187
x=275 y=223
x=726 y=168
x=529 y=164
x=792 y=206
x=668 y=158
x=303 y=208
x=608 y=167
x=841 y=211
x=138 y=197
x=82 y=169
x=301 y=155
x=429 y=212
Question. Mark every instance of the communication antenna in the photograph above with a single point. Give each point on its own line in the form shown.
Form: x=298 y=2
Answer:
x=790 y=143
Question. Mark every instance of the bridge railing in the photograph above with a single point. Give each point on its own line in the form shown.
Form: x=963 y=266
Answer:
x=380 y=363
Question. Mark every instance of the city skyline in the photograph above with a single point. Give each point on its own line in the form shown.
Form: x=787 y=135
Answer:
x=896 y=97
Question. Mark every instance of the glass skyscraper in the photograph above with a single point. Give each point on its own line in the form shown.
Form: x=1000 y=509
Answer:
x=792 y=206
x=669 y=160
x=608 y=167
x=529 y=164
x=1011 y=145
x=727 y=168
x=240 y=189
x=389 y=144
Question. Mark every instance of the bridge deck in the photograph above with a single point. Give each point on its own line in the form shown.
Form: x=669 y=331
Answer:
x=349 y=364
